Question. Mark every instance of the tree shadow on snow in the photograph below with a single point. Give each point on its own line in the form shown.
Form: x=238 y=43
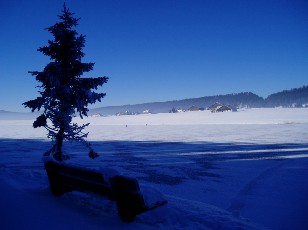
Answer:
x=168 y=163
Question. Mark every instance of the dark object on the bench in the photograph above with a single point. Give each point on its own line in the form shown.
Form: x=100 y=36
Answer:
x=124 y=190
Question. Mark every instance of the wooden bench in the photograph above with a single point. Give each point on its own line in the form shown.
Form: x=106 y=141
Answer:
x=123 y=190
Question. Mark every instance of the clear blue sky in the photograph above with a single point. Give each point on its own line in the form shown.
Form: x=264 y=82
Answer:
x=158 y=50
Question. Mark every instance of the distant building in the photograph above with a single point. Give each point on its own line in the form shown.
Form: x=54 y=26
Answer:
x=180 y=110
x=147 y=111
x=223 y=108
x=125 y=113
x=194 y=108
x=215 y=106
x=218 y=107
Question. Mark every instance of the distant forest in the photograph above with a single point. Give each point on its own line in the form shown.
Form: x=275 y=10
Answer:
x=289 y=98
x=297 y=97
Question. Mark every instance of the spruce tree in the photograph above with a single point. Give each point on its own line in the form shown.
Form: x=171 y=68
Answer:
x=63 y=92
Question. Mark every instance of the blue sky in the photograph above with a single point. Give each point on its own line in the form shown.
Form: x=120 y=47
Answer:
x=161 y=49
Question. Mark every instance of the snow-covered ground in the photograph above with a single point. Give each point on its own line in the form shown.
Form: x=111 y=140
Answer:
x=232 y=170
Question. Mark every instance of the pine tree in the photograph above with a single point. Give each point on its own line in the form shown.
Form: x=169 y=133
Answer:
x=64 y=92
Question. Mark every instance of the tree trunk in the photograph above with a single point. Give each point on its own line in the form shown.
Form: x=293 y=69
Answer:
x=58 y=155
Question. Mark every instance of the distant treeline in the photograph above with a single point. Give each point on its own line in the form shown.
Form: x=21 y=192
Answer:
x=289 y=98
x=297 y=97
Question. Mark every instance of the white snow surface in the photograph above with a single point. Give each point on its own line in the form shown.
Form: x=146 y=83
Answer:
x=231 y=170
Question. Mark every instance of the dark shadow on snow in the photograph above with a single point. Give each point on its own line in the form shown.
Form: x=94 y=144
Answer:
x=157 y=162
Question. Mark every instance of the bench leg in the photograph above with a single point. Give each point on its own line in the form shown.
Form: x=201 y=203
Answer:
x=125 y=214
x=55 y=185
x=127 y=196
